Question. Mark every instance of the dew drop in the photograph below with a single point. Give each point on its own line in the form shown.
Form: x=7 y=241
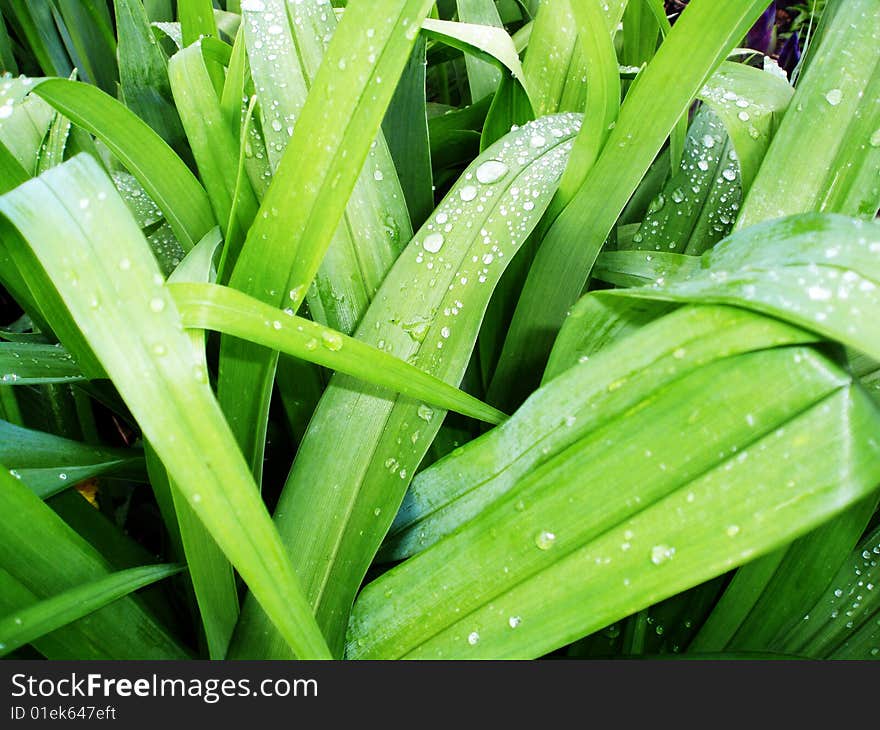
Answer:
x=661 y=553
x=729 y=174
x=708 y=141
x=834 y=97
x=544 y=540
x=433 y=242
x=491 y=171
x=514 y=621
x=657 y=204
x=468 y=193
x=331 y=340
x=157 y=304
x=473 y=638
x=732 y=530
x=538 y=140
x=426 y=413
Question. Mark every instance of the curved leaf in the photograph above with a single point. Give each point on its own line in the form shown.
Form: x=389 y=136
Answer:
x=427 y=312
x=50 y=614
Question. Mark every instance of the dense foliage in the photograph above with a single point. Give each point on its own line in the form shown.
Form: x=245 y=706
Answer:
x=469 y=329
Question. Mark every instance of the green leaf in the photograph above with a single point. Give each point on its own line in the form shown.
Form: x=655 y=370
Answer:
x=819 y=271
x=652 y=108
x=698 y=204
x=41 y=556
x=196 y=20
x=482 y=17
x=637 y=268
x=29 y=363
x=602 y=104
x=553 y=567
x=229 y=311
x=52 y=613
x=427 y=312
x=48 y=464
x=214 y=147
x=768 y=597
x=86 y=30
x=23 y=127
x=321 y=164
x=405 y=127
x=597 y=321
x=35 y=26
x=510 y=107
x=118 y=296
x=143 y=72
x=445 y=496
x=751 y=104
x=843 y=622
x=7 y=59
x=822 y=157
x=210 y=573
x=489 y=45
x=555 y=63
x=146 y=156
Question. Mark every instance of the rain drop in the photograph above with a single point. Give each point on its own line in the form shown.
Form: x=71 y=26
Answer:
x=834 y=97
x=491 y=171
x=468 y=193
x=331 y=340
x=433 y=242
x=661 y=553
x=544 y=540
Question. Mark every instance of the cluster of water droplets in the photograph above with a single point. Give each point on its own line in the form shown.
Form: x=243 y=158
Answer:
x=30 y=366
x=707 y=184
x=12 y=91
x=487 y=214
x=747 y=112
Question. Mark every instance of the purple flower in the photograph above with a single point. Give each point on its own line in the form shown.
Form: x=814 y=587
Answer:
x=790 y=54
x=760 y=37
